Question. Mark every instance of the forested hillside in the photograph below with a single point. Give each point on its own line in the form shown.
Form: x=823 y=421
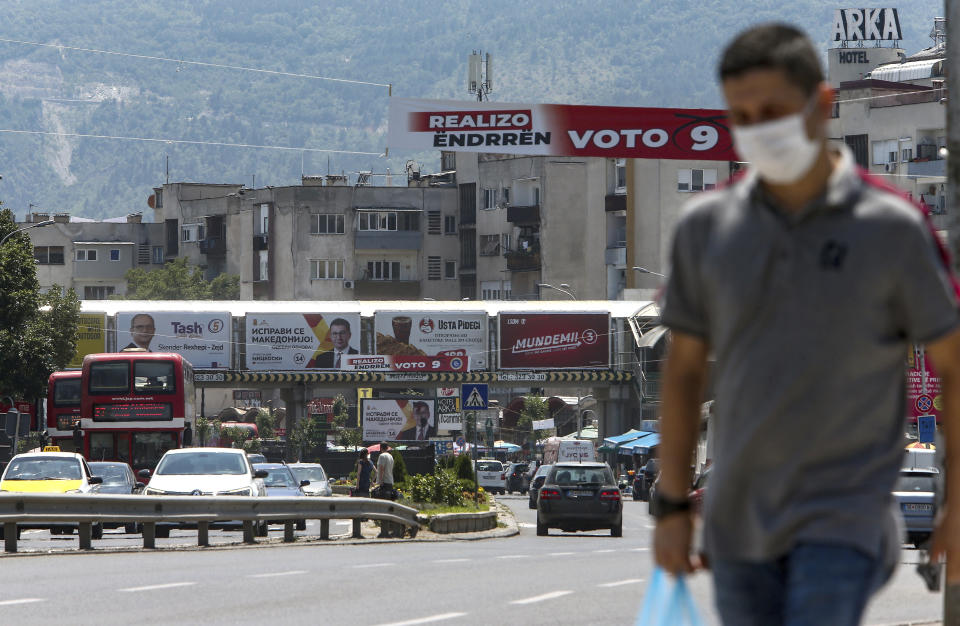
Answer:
x=642 y=52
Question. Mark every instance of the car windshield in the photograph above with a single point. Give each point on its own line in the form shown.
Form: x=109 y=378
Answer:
x=201 y=463
x=580 y=475
x=915 y=482
x=489 y=466
x=314 y=474
x=44 y=468
x=278 y=477
x=112 y=473
x=543 y=470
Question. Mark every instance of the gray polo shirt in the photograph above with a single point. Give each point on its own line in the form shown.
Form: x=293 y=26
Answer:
x=809 y=317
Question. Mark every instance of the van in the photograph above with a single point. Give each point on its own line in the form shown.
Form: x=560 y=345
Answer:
x=491 y=475
x=557 y=450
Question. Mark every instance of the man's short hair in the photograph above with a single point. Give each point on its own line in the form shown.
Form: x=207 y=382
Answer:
x=133 y=320
x=340 y=322
x=384 y=446
x=421 y=405
x=777 y=47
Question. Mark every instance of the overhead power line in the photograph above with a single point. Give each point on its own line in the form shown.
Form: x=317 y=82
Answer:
x=188 y=142
x=198 y=63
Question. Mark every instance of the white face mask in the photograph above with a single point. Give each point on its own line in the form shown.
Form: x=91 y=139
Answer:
x=780 y=150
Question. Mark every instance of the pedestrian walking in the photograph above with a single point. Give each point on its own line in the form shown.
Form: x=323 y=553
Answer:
x=385 y=487
x=364 y=473
x=807 y=282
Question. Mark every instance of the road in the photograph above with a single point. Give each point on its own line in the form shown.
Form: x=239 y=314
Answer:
x=581 y=578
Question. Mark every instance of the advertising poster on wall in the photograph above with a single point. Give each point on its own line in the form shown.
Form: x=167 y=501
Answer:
x=398 y=420
x=91 y=337
x=201 y=338
x=554 y=340
x=920 y=401
x=433 y=334
x=301 y=341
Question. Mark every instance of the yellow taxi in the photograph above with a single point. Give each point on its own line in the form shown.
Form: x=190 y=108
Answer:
x=50 y=471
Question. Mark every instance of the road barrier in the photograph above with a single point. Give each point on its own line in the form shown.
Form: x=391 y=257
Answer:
x=88 y=509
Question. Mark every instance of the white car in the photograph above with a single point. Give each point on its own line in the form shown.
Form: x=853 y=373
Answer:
x=206 y=472
x=319 y=482
x=491 y=475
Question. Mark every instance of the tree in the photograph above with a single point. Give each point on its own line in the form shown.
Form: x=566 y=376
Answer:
x=534 y=409
x=265 y=425
x=345 y=436
x=309 y=434
x=179 y=281
x=38 y=332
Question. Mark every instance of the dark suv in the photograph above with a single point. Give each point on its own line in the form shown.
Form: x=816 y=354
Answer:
x=517 y=478
x=580 y=496
x=536 y=482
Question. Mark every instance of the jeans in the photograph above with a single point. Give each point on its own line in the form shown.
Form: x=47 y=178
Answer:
x=812 y=585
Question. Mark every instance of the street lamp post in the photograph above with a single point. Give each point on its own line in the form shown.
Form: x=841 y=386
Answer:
x=564 y=288
x=20 y=230
x=644 y=270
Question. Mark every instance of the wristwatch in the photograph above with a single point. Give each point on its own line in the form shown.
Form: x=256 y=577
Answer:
x=665 y=507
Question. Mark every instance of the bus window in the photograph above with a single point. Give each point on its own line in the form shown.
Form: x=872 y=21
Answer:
x=149 y=447
x=66 y=392
x=123 y=447
x=101 y=446
x=109 y=377
x=154 y=377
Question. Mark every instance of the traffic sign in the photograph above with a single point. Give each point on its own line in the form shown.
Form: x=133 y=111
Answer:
x=927 y=428
x=924 y=403
x=475 y=396
x=461 y=441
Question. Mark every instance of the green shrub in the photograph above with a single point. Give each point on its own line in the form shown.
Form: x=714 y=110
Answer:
x=399 y=468
x=463 y=468
x=440 y=487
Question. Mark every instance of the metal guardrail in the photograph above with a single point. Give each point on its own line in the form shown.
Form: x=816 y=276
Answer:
x=87 y=509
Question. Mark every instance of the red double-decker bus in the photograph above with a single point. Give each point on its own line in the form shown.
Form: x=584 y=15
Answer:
x=133 y=406
x=63 y=408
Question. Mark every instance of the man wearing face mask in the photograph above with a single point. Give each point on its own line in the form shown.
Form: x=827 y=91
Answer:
x=806 y=282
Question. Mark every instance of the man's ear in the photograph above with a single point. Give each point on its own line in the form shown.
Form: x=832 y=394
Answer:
x=825 y=99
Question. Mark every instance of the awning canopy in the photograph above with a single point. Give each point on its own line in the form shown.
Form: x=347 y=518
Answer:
x=641 y=445
x=630 y=435
x=652 y=336
x=911 y=70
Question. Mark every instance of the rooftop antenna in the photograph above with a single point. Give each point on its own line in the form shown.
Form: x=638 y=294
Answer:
x=480 y=75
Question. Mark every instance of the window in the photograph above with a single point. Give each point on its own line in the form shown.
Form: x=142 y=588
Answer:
x=490 y=290
x=158 y=255
x=433 y=268
x=97 y=292
x=86 y=254
x=154 y=377
x=114 y=254
x=264 y=219
x=158 y=198
x=536 y=196
x=109 y=377
x=449 y=224
x=906 y=154
x=448 y=161
x=489 y=245
x=48 y=255
x=433 y=222
x=192 y=233
x=326 y=224
x=696 y=180
x=506 y=195
x=507 y=290
x=450 y=270
x=489 y=198
x=383 y=270
x=885 y=151
x=505 y=240
x=620 y=176
x=326 y=269
x=408 y=221
x=372 y=220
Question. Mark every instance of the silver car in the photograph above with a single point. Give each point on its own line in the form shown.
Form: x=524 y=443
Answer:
x=319 y=483
x=914 y=493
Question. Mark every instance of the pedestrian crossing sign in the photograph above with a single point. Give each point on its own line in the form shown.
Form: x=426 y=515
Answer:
x=475 y=396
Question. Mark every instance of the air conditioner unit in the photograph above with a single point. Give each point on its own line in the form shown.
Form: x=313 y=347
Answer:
x=348 y=284
x=890 y=167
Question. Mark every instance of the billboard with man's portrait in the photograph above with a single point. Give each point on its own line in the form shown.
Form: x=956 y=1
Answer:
x=201 y=338
x=398 y=420
x=301 y=341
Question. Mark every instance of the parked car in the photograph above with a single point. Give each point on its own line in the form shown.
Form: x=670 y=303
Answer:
x=517 y=478
x=206 y=472
x=535 y=483
x=117 y=478
x=281 y=483
x=644 y=478
x=491 y=476
x=580 y=496
x=696 y=493
x=319 y=483
x=256 y=457
x=50 y=472
x=914 y=493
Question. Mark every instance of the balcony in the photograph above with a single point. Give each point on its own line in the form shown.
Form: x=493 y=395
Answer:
x=523 y=261
x=213 y=246
x=616 y=256
x=259 y=242
x=927 y=169
x=615 y=202
x=524 y=214
x=388 y=240
x=379 y=289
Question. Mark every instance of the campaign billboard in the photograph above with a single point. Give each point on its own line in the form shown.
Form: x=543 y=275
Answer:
x=301 y=341
x=922 y=399
x=554 y=340
x=91 y=337
x=559 y=130
x=433 y=334
x=201 y=338
x=404 y=363
x=398 y=420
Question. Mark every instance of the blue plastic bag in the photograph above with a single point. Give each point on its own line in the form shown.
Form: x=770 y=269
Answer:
x=666 y=605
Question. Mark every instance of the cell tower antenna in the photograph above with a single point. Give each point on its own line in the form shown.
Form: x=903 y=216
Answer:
x=480 y=75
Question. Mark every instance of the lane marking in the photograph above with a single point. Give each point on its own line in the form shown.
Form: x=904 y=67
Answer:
x=21 y=601
x=620 y=583
x=526 y=525
x=514 y=556
x=366 y=565
x=543 y=597
x=425 y=620
x=153 y=587
x=561 y=554
x=451 y=561
x=639 y=549
x=273 y=574
x=603 y=551
x=32 y=531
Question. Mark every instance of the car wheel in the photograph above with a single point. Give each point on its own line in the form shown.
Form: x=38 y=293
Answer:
x=301 y=524
x=97 y=531
x=130 y=529
x=542 y=529
x=617 y=531
x=162 y=532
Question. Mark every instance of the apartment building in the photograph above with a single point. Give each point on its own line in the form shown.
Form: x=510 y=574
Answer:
x=90 y=256
x=322 y=240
